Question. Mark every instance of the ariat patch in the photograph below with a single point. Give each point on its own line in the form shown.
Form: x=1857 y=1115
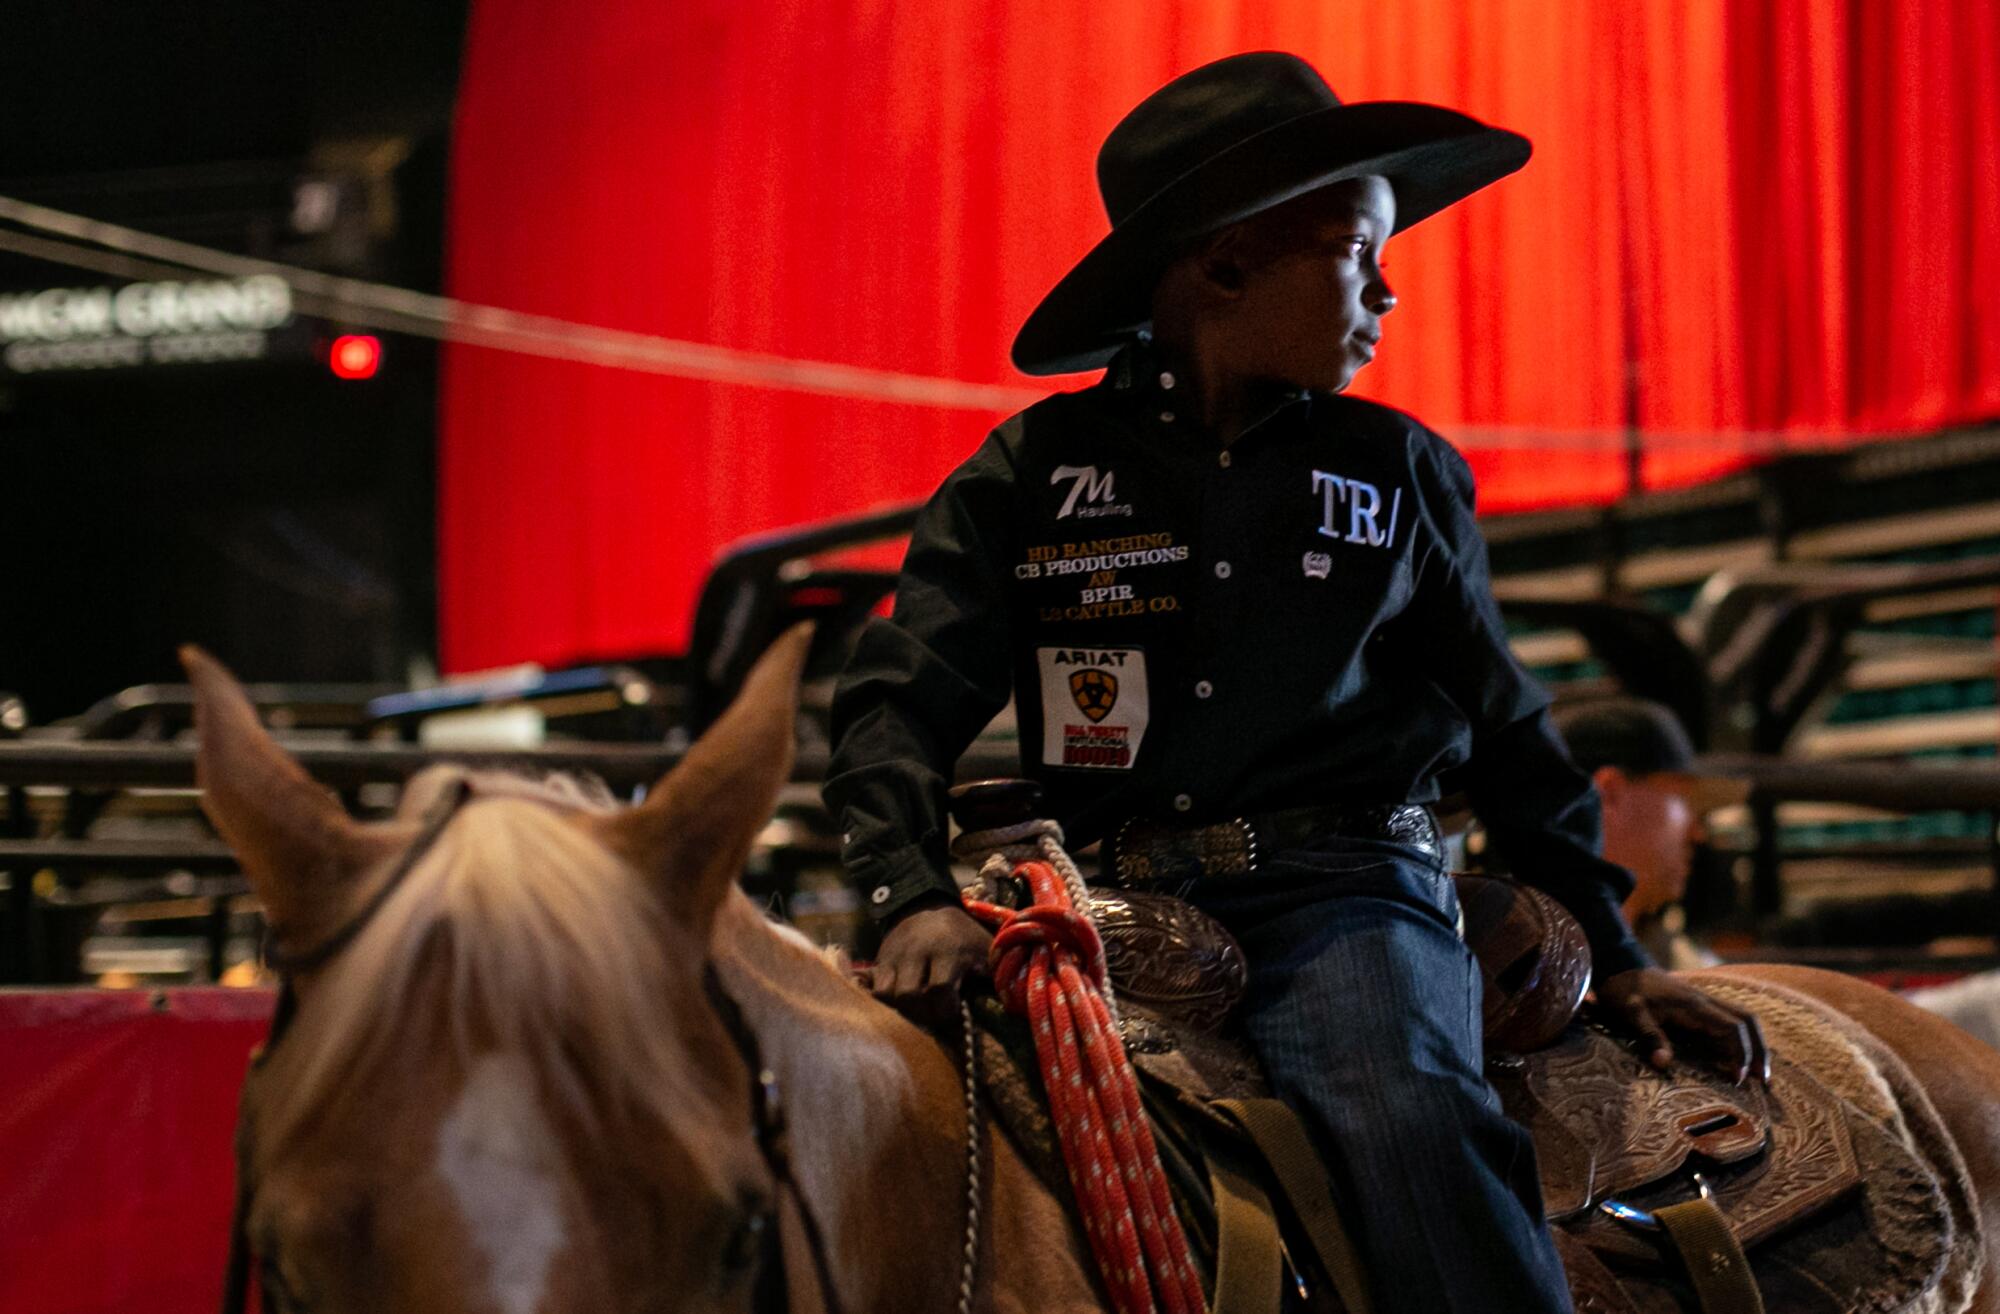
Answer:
x=1094 y=706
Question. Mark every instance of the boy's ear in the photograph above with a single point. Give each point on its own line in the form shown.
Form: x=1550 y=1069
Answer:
x=1221 y=261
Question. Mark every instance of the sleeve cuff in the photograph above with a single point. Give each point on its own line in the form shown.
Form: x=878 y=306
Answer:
x=1613 y=947
x=890 y=881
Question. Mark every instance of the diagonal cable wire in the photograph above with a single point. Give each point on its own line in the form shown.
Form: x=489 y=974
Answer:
x=119 y=252
x=127 y=252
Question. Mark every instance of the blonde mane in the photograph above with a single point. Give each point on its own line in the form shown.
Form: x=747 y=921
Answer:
x=530 y=937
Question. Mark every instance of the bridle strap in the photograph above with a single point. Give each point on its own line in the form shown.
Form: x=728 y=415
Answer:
x=771 y=1295
x=236 y=1271
x=435 y=820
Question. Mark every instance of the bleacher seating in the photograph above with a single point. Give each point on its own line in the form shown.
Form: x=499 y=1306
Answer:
x=1917 y=683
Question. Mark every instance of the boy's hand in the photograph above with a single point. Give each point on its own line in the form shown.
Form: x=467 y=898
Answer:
x=1652 y=1003
x=925 y=955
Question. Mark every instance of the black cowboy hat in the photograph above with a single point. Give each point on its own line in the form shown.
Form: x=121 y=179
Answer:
x=1227 y=141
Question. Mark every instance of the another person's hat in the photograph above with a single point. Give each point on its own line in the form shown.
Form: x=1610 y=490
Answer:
x=1644 y=740
x=1227 y=141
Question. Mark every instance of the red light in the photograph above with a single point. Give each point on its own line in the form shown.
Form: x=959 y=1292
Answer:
x=355 y=356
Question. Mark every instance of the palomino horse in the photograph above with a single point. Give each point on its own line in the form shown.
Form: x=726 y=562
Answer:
x=520 y=1070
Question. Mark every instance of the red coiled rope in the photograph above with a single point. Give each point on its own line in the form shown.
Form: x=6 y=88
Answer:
x=1048 y=963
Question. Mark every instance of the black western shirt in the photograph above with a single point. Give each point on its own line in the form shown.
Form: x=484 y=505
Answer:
x=1196 y=633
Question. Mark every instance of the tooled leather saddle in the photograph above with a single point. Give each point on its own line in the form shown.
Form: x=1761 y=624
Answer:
x=1830 y=1213
x=1825 y=1207
x=1822 y=1208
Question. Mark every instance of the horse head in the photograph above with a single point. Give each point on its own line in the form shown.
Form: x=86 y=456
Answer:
x=504 y=1083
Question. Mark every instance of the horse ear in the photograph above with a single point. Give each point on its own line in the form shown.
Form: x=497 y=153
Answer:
x=695 y=829
x=299 y=849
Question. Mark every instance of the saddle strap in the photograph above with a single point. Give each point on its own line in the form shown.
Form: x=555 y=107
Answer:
x=1249 y=1261
x=1282 y=1142
x=1723 y=1283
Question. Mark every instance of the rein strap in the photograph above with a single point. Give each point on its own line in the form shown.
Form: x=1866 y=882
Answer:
x=773 y=1142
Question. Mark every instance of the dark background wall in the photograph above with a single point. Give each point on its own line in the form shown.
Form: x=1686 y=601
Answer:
x=267 y=509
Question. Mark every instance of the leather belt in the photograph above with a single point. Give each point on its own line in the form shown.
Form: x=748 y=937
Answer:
x=1148 y=854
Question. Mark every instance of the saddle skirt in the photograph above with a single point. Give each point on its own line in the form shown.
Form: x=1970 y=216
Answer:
x=1608 y=1127
x=1833 y=1213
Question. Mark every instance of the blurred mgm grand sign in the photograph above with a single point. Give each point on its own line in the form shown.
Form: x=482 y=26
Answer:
x=199 y=322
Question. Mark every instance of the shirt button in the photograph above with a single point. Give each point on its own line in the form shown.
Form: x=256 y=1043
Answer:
x=1203 y=689
x=1166 y=417
x=1222 y=570
x=880 y=895
x=1223 y=460
x=1182 y=802
x=1167 y=379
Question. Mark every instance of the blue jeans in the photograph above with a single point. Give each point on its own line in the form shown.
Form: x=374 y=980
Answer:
x=1364 y=1005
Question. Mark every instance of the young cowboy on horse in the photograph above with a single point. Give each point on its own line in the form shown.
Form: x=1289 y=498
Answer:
x=1248 y=627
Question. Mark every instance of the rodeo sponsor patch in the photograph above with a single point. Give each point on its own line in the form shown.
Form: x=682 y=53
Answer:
x=1094 y=706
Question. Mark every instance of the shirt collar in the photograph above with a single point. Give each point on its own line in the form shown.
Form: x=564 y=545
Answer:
x=1139 y=374
x=1135 y=361
x=1139 y=371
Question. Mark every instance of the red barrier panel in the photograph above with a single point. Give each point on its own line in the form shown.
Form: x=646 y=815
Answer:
x=116 y=1115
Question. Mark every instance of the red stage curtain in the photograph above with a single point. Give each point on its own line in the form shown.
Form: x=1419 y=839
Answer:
x=1746 y=226
x=117 y=1114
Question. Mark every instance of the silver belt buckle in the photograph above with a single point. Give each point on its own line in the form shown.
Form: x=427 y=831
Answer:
x=1252 y=854
x=1224 y=850
x=1153 y=856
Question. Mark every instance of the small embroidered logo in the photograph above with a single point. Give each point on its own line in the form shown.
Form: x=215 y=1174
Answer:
x=1364 y=505
x=1096 y=693
x=1318 y=565
x=1090 y=494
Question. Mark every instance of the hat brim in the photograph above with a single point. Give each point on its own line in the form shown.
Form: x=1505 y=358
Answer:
x=1432 y=157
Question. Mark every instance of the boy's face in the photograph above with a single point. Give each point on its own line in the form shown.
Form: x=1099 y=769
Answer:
x=1311 y=298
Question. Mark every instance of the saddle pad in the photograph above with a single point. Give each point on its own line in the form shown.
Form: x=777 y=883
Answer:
x=1855 y=1065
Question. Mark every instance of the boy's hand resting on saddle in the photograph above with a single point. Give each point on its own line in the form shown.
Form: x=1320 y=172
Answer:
x=924 y=956
x=1654 y=1003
